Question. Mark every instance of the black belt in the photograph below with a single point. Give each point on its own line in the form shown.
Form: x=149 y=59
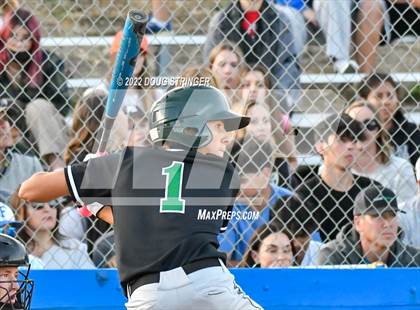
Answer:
x=189 y=268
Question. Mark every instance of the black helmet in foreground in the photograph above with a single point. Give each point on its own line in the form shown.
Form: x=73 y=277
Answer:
x=15 y=293
x=181 y=116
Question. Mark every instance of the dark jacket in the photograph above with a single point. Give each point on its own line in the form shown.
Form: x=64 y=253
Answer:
x=54 y=87
x=272 y=45
x=346 y=249
x=405 y=137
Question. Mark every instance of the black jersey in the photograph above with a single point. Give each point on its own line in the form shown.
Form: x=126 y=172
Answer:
x=168 y=206
x=331 y=209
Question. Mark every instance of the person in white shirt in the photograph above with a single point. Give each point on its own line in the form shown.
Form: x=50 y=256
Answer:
x=41 y=236
x=410 y=220
x=376 y=160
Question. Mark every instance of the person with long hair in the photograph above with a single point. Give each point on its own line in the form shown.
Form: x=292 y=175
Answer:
x=35 y=79
x=257 y=88
x=376 y=160
x=382 y=92
x=42 y=238
x=86 y=129
x=225 y=62
x=260 y=129
x=269 y=247
x=86 y=123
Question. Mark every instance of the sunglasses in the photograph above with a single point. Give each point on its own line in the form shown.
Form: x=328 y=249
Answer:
x=40 y=206
x=371 y=124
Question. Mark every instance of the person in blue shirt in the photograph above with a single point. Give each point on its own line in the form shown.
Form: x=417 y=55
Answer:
x=255 y=205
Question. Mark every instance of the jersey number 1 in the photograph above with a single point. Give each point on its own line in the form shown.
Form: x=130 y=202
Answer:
x=173 y=203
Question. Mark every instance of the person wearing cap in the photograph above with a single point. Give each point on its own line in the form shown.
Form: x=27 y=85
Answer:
x=14 y=167
x=8 y=223
x=410 y=220
x=15 y=286
x=257 y=194
x=330 y=194
x=374 y=235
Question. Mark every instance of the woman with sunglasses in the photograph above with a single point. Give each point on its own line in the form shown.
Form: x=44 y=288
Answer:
x=382 y=92
x=376 y=160
x=41 y=236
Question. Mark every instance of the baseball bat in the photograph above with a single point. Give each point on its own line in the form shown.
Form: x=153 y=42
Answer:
x=133 y=33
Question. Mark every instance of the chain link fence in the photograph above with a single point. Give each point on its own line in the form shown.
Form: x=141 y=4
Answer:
x=332 y=89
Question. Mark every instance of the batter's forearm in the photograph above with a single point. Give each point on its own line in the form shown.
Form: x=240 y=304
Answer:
x=44 y=187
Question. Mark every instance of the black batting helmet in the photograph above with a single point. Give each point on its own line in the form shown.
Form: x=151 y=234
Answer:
x=14 y=293
x=181 y=116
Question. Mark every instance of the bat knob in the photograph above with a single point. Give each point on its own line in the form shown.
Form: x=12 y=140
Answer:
x=137 y=16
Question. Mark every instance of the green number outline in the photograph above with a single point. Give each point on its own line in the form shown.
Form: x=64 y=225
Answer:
x=172 y=204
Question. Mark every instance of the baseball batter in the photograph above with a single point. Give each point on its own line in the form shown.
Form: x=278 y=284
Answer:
x=167 y=254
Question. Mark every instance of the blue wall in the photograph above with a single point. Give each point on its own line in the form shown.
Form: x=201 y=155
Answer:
x=274 y=289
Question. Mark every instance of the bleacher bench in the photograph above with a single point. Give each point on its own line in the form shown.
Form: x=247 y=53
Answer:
x=306 y=80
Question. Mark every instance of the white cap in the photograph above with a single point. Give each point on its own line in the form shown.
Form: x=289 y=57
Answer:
x=6 y=215
x=418 y=169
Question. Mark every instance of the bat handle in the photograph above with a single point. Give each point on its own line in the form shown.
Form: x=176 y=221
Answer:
x=108 y=123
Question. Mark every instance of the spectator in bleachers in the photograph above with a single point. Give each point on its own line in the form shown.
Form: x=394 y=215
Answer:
x=86 y=134
x=399 y=18
x=335 y=21
x=104 y=252
x=301 y=226
x=372 y=22
x=35 y=79
x=410 y=220
x=330 y=194
x=262 y=32
x=373 y=237
x=382 y=92
x=160 y=20
x=138 y=127
x=376 y=160
x=41 y=236
x=225 y=61
x=7 y=6
x=269 y=247
x=10 y=227
x=86 y=123
x=14 y=167
x=260 y=129
x=257 y=194
x=137 y=93
x=199 y=72
x=256 y=86
x=298 y=13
